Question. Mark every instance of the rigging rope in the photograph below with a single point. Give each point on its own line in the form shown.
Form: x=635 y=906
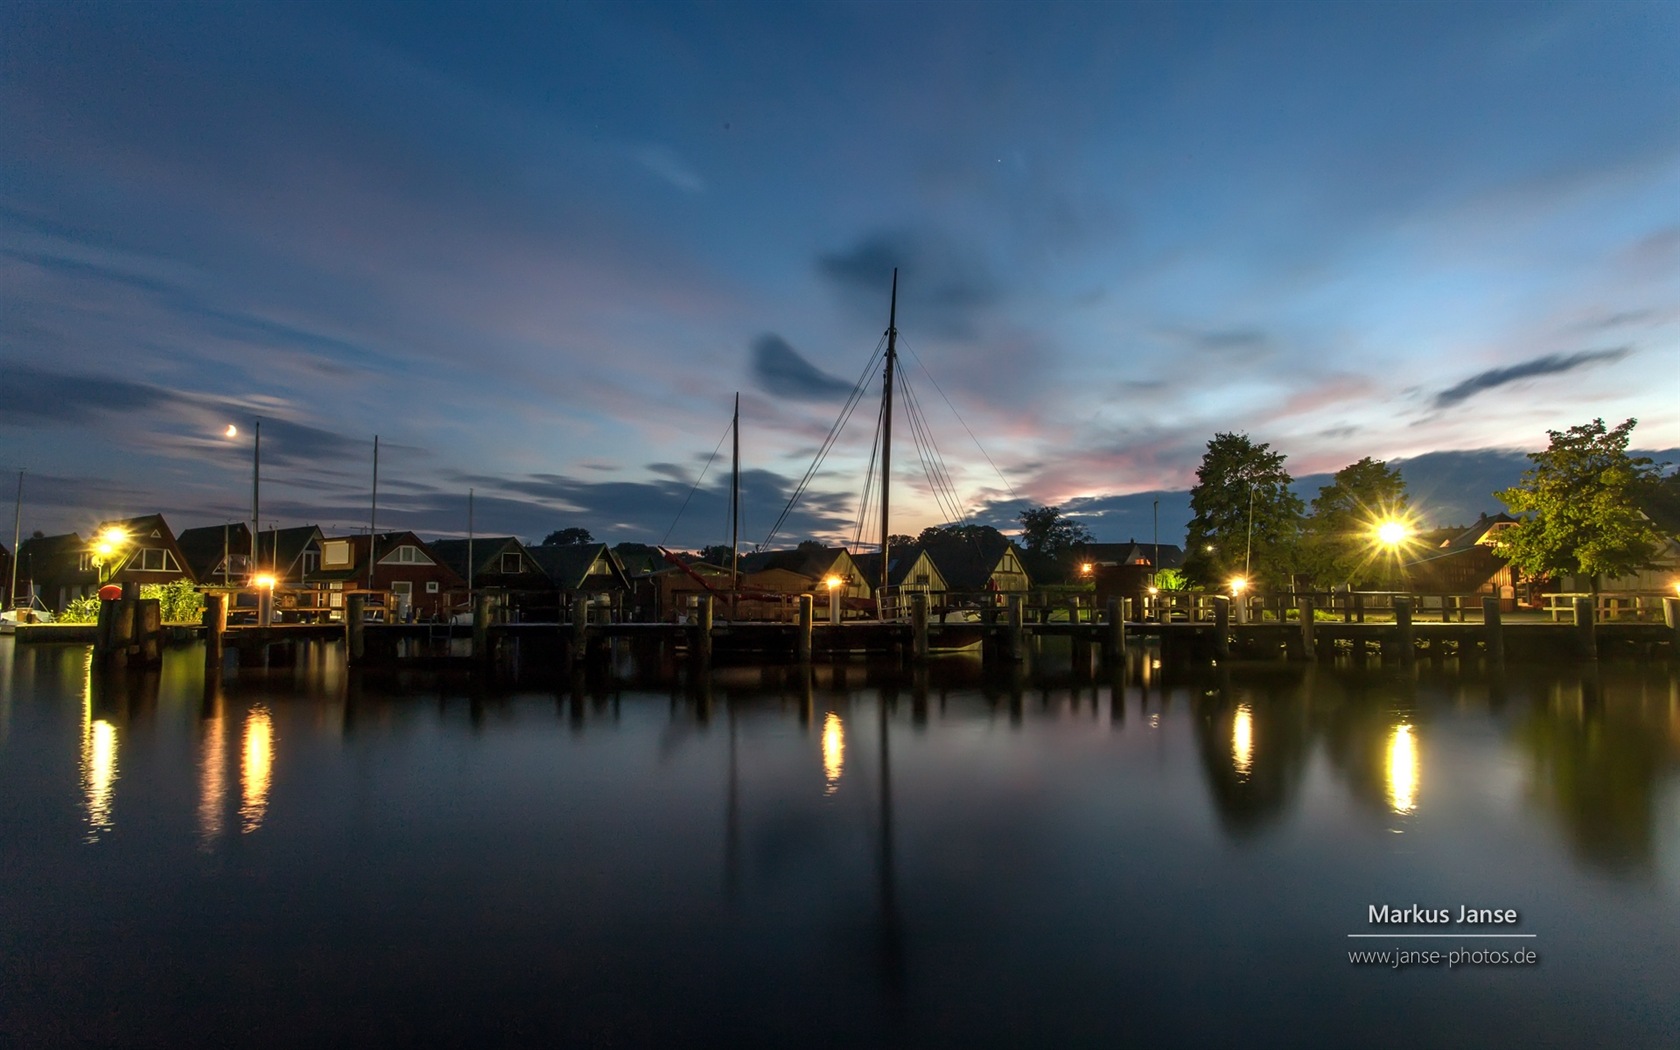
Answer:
x=691 y=491
x=954 y=412
x=828 y=443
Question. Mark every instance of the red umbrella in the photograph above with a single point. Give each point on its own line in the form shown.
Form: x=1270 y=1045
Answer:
x=110 y=592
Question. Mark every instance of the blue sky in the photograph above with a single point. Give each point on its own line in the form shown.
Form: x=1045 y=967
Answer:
x=539 y=248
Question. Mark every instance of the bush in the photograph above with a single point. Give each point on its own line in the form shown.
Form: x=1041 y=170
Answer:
x=178 y=600
x=81 y=610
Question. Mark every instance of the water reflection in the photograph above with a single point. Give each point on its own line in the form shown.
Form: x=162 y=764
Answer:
x=99 y=761
x=1402 y=770
x=257 y=768
x=1242 y=740
x=212 y=774
x=834 y=752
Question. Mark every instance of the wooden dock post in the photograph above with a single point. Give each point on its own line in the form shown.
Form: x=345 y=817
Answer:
x=1309 y=650
x=1017 y=628
x=1404 y=636
x=481 y=626
x=1586 y=629
x=355 y=628
x=919 y=626
x=703 y=643
x=1114 y=639
x=148 y=619
x=1671 y=617
x=807 y=616
x=1493 y=630
x=215 y=628
x=1221 y=626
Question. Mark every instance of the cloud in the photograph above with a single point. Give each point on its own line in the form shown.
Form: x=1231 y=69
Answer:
x=780 y=370
x=664 y=163
x=942 y=284
x=1550 y=364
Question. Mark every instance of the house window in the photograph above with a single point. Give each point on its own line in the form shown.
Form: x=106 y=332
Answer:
x=511 y=564
x=921 y=579
x=85 y=564
x=407 y=554
x=402 y=587
x=153 y=559
x=311 y=561
x=431 y=587
x=336 y=552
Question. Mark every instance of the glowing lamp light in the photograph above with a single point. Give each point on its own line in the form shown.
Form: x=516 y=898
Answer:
x=1086 y=568
x=832 y=582
x=1393 y=533
x=1238 y=585
x=113 y=535
x=1153 y=591
x=265 y=579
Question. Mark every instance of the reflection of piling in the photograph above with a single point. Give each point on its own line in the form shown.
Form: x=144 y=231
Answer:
x=919 y=625
x=580 y=626
x=148 y=621
x=1671 y=616
x=1221 y=626
x=1493 y=630
x=1586 y=629
x=1309 y=649
x=806 y=616
x=1016 y=643
x=355 y=627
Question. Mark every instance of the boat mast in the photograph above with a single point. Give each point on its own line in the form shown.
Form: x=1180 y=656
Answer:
x=17 y=520
x=886 y=438
x=735 y=516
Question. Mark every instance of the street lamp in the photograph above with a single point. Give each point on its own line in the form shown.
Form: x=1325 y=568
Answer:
x=109 y=541
x=833 y=583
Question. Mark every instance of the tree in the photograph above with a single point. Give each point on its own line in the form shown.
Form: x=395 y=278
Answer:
x=1580 y=496
x=898 y=540
x=1050 y=537
x=1246 y=517
x=948 y=533
x=1339 y=539
x=717 y=554
x=567 y=537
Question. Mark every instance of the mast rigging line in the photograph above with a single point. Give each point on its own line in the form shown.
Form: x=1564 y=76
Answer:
x=695 y=487
x=827 y=445
x=965 y=426
x=944 y=489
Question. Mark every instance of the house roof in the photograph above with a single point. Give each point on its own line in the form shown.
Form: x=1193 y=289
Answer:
x=388 y=541
x=203 y=547
x=812 y=562
x=967 y=562
x=901 y=560
x=486 y=553
x=290 y=545
x=567 y=565
x=1132 y=552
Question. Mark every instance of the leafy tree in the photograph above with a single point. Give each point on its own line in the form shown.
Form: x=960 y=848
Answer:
x=178 y=600
x=716 y=554
x=899 y=540
x=811 y=547
x=1339 y=539
x=948 y=533
x=1050 y=537
x=1171 y=580
x=1244 y=513
x=1580 y=497
x=567 y=537
x=81 y=610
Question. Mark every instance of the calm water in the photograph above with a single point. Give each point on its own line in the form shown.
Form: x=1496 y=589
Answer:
x=960 y=858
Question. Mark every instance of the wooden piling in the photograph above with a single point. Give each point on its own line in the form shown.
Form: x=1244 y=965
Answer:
x=1221 y=626
x=1404 y=637
x=1493 y=630
x=355 y=627
x=703 y=643
x=1309 y=650
x=215 y=628
x=1671 y=617
x=1586 y=629
x=1017 y=627
x=919 y=625
x=807 y=616
x=481 y=609
x=1114 y=640
x=148 y=616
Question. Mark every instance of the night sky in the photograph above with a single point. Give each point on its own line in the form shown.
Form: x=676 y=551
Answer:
x=538 y=249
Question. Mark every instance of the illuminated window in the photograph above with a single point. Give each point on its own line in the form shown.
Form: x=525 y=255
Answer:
x=402 y=587
x=407 y=554
x=511 y=564
x=431 y=587
x=335 y=552
x=311 y=560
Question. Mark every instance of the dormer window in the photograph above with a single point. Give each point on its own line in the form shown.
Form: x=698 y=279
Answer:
x=512 y=564
x=407 y=554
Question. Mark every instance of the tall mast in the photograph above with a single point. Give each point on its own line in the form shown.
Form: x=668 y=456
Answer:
x=471 y=565
x=735 y=516
x=886 y=437
x=373 y=516
x=17 y=521
x=256 y=478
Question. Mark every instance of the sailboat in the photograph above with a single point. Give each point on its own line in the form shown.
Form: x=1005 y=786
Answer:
x=10 y=614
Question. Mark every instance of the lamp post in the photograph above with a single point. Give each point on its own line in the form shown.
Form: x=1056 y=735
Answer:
x=833 y=583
